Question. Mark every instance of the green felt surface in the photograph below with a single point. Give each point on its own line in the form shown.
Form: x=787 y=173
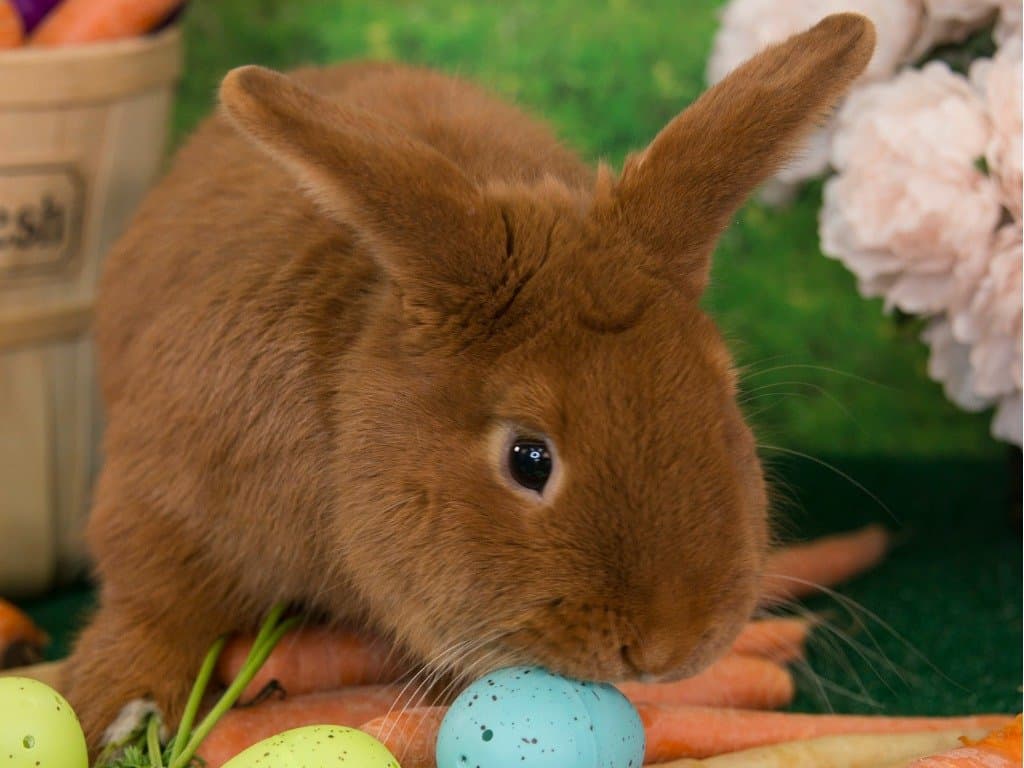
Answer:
x=830 y=375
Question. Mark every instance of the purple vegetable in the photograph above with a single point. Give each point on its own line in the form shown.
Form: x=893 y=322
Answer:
x=172 y=17
x=33 y=11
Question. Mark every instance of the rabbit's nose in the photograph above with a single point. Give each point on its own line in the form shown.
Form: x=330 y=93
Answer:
x=653 y=659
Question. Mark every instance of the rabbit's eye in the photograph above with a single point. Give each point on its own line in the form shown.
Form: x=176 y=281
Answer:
x=530 y=463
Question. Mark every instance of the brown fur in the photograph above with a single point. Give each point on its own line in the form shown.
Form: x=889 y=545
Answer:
x=307 y=393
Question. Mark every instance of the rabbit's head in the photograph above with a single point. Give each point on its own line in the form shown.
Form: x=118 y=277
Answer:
x=539 y=452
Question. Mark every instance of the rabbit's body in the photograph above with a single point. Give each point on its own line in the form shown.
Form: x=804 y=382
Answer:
x=225 y=314
x=325 y=346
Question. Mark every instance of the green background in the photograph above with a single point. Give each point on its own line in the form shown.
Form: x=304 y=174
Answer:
x=937 y=629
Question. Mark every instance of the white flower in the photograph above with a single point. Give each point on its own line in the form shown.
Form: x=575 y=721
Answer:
x=1008 y=27
x=952 y=21
x=911 y=211
x=989 y=316
x=748 y=26
x=950 y=364
x=1007 y=421
x=908 y=202
x=976 y=344
x=977 y=351
x=999 y=81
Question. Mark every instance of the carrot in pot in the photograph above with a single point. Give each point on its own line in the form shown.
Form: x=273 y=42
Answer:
x=241 y=728
x=780 y=640
x=677 y=732
x=999 y=749
x=411 y=736
x=21 y=641
x=732 y=681
x=313 y=659
x=12 y=32
x=799 y=570
x=88 y=21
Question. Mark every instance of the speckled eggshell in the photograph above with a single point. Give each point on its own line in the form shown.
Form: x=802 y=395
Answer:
x=526 y=717
x=617 y=725
x=316 y=746
x=38 y=728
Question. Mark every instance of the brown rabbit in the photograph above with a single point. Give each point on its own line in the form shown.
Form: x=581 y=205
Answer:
x=380 y=347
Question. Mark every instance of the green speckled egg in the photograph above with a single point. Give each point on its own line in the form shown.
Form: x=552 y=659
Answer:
x=38 y=728
x=316 y=746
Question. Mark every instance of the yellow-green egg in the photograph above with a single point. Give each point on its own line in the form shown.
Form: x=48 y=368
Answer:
x=316 y=746
x=38 y=728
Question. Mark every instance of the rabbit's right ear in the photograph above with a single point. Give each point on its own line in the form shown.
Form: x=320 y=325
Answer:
x=678 y=195
x=436 y=235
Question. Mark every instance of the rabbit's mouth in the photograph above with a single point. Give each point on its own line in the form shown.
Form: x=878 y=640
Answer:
x=594 y=642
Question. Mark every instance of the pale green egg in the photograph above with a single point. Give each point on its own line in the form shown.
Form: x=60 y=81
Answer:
x=38 y=728
x=316 y=746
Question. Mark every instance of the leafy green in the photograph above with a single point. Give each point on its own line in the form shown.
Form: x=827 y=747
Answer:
x=142 y=748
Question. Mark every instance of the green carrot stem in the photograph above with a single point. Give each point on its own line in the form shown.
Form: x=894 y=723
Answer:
x=195 y=698
x=266 y=629
x=268 y=637
x=153 y=742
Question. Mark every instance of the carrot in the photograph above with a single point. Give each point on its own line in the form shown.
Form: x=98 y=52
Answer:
x=313 y=659
x=732 y=681
x=241 y=728
x=87 y=21
x=321 y=659
x=21 y=641
x=999 y=749
x=1006 y=740
x=780 y=640
x=411 y=736
x=799 y=570
x=852 y=750
x=675 y=732
x=12 y=33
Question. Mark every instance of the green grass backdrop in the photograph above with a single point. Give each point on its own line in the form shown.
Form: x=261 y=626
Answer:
x=935 y=630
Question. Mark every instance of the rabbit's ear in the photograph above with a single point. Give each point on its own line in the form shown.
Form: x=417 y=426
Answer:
x=434 y=229
x=679 y=194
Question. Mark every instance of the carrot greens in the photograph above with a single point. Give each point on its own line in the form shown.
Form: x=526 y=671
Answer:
x=142 y=748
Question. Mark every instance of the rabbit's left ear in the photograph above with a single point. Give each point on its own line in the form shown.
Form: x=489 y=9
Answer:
x=678 y=195
x=433 y=231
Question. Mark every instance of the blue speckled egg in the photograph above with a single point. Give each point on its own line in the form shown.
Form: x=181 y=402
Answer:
x=527 y=717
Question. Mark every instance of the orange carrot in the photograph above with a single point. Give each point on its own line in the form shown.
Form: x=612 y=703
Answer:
x=11 y=31
x=321 y=659
x=798 y=570
x=241 y=728
x=732 y=681
x=1006 y=740
x=780 y=640
x=1000 y=749
x=21 y=641
x=87 y=21
x=673 y=732
x=411 y=736
x=313 y=659
x=676 y=732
